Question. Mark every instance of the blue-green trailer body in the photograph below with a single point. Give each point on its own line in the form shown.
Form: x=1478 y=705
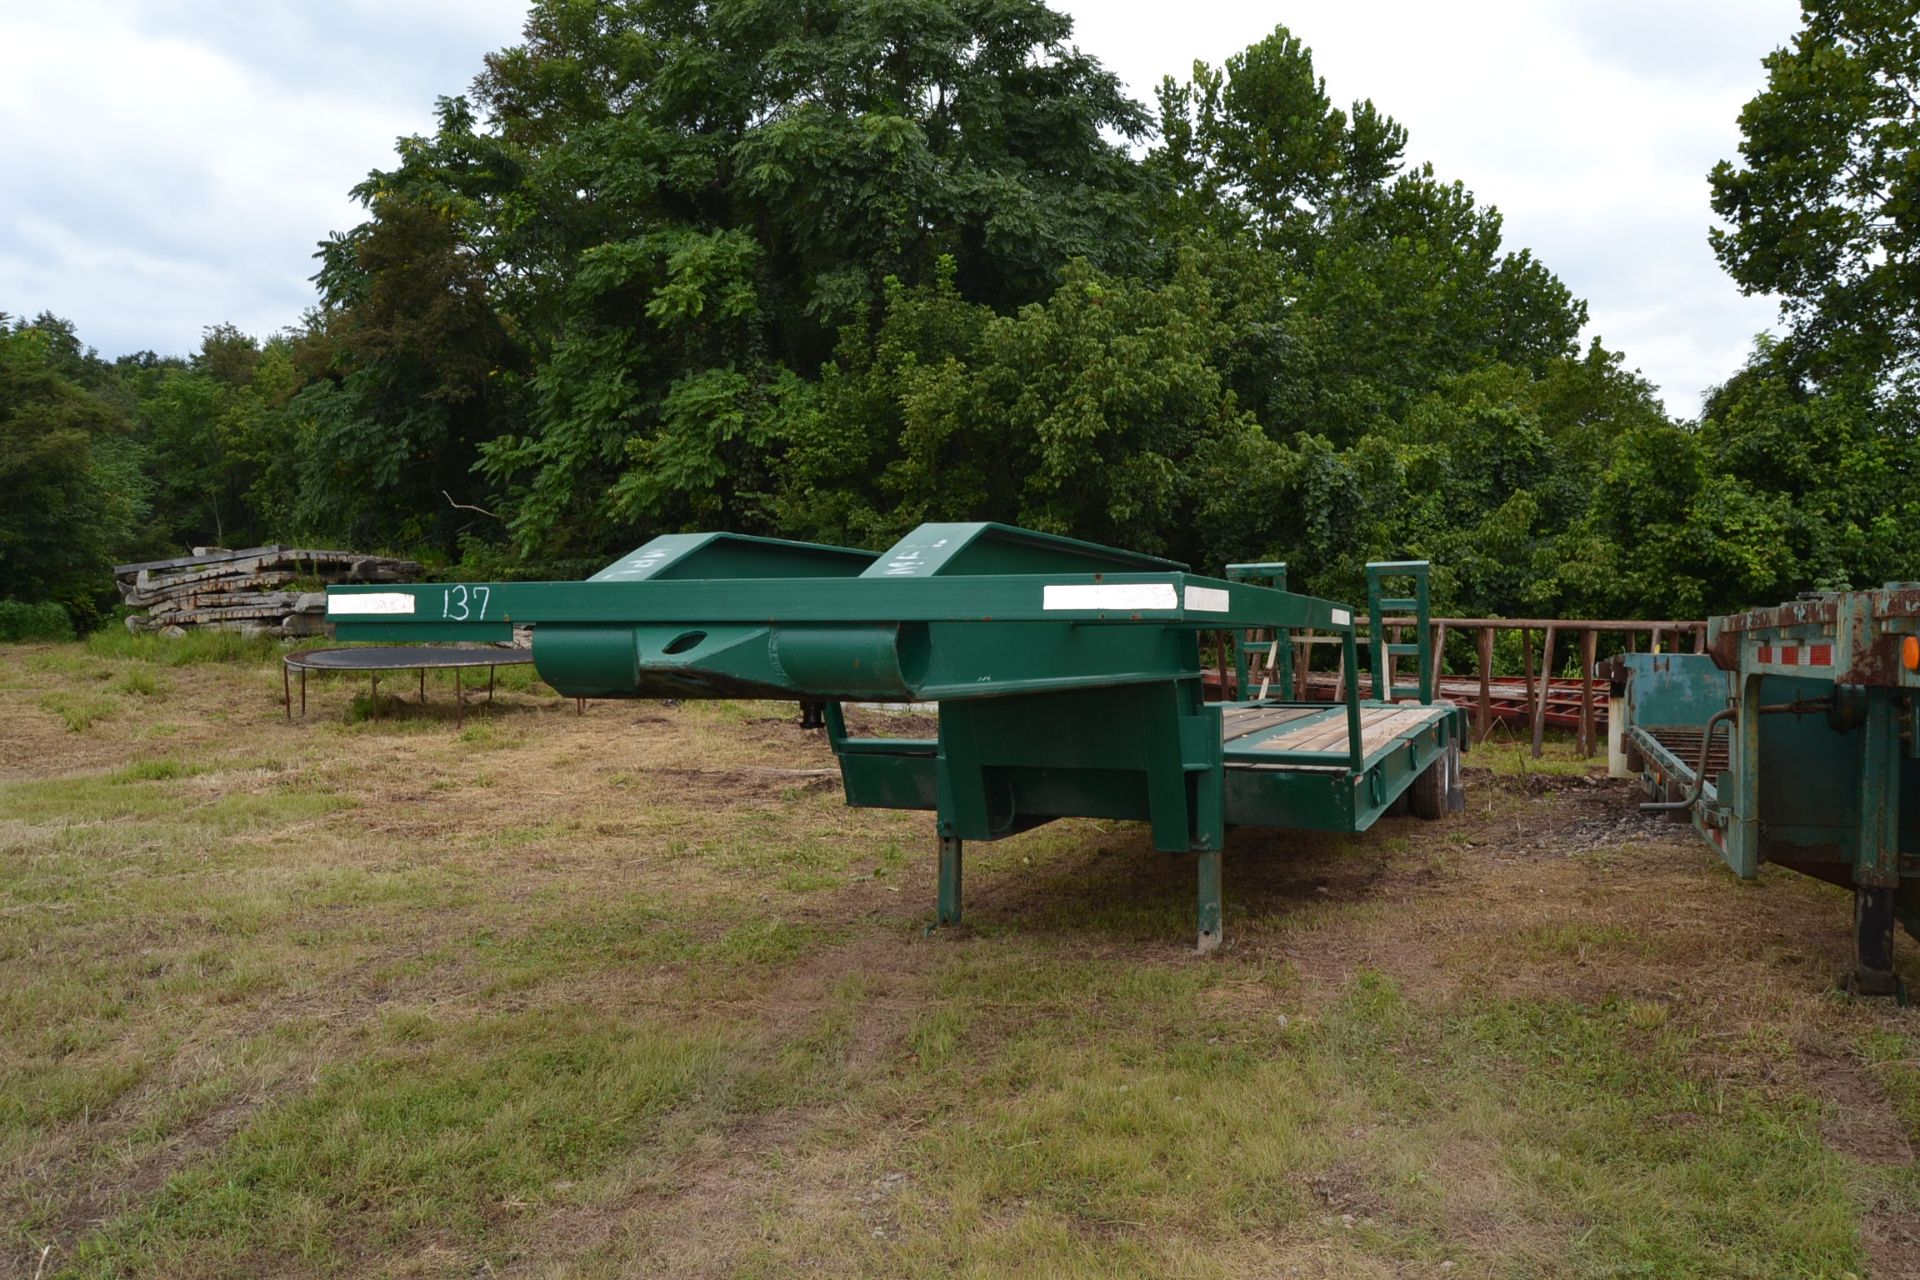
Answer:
x=1793 y=741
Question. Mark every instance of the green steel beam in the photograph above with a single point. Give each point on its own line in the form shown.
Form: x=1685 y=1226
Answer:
x=444 y=610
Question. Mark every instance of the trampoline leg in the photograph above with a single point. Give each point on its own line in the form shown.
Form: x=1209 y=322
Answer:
x=1207 y=862
x=286 y=690
x=374 y=697
x=423 y=684
x=949 y=908
x=490 y=672
x=460 y=697
x=303 y=693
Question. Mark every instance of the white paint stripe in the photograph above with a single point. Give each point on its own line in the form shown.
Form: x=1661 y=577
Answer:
x=382 y=602
x=1128 y=595
x=1208 y=599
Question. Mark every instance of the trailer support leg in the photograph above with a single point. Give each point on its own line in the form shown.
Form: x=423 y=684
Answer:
x=1876 y=859
x=1456 y=784
x=949 y=910
x=1207 y=863
x=1873 y=943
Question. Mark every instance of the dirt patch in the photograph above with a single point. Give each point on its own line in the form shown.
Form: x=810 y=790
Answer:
x=34 y=743
x=1344 y=1192
x=346 y=1005
x=1559 y=815
x=144 y=1177
x=1859 y=1120
x=744 y=785
x=1891 y=1237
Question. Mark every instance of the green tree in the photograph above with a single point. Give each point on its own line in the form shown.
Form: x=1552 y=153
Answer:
x=1257 y=145
x=1085 y=414
x=222 y=440
x=1783 y=487
x=1824 y=204
x=73 y=489
x=411 y=365
x=668 y=212
x=1356 y=283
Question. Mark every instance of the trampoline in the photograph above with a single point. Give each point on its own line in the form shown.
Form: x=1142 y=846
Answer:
x=422 y=658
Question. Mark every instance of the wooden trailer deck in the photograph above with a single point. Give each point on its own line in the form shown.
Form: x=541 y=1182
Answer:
x=1252 y=729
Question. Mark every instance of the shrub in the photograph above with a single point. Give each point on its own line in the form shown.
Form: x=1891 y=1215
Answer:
x=20 y=622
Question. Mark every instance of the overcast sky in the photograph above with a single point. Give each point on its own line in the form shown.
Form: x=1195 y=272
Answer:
x=169 y=164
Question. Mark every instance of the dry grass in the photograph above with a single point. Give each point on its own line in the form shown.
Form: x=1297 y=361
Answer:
x=633 y=994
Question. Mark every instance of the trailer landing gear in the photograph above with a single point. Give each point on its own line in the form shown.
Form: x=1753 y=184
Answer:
x=1207 y=862
x=1872 y=973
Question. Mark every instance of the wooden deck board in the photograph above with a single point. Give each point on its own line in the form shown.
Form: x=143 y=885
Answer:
x=1238 y=722
x=1321 y=735
x=1378 y=727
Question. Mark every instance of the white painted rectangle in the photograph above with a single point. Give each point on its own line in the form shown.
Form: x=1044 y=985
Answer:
x=1119 y=595
x=1208 y=600
x=1341 y=617
x=372 y=602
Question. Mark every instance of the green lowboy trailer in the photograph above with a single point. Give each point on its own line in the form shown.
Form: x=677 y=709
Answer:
x=1067 y=675
x=1795 y=740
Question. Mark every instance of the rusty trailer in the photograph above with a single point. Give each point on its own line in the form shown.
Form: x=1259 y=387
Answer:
x=1795 y=740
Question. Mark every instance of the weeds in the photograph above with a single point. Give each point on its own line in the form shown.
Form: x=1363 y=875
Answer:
x=78 y=710
x=198 y=646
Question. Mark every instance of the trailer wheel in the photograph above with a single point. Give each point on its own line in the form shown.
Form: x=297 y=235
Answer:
x=1429 y=791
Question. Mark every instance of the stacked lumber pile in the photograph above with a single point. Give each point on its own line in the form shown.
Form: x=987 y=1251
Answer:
x=263 y=590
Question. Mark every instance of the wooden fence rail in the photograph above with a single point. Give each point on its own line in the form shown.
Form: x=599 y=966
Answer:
x=1589 y=631
x=1541 y=697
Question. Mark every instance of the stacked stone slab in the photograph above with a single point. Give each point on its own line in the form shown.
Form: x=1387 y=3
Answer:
x=261 y=590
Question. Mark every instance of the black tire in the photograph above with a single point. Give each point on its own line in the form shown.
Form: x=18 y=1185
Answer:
x=1429 y=791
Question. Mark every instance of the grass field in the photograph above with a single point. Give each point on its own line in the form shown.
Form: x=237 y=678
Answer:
x=633 y=994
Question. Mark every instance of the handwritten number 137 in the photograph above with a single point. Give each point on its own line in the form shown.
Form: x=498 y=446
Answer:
x=463 y=603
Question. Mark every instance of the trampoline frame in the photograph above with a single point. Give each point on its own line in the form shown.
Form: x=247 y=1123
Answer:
x=491 y=658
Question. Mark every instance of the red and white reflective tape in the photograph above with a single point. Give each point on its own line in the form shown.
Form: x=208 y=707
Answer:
x=1793 y=655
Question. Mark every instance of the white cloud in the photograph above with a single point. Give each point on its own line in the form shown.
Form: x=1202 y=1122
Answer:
x=170 y=164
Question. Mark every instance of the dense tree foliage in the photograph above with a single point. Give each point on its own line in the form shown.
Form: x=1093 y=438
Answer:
x=1825 y=203
x=628 y=270
x=830 y=268
x=72 y=492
